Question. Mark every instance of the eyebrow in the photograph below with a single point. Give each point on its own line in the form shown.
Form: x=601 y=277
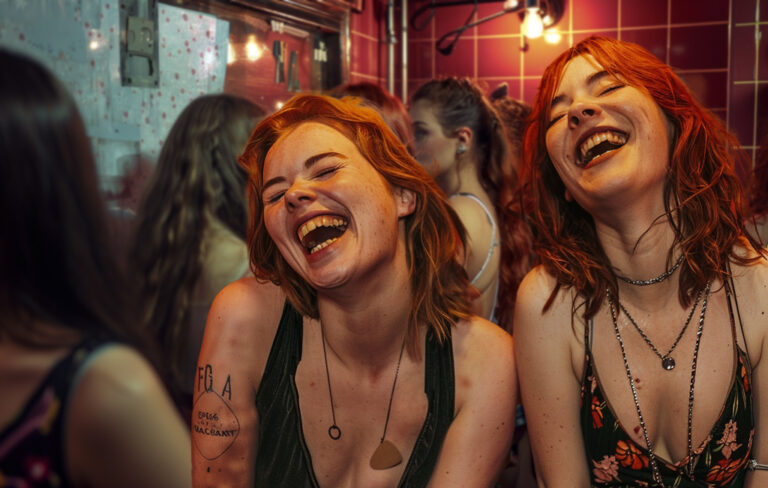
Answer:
x=310 y=161
x=591 y=79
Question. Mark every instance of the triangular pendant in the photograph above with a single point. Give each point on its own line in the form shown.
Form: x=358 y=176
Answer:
x=386 y=456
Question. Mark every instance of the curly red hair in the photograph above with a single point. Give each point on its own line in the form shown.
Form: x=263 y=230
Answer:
x=703 y=198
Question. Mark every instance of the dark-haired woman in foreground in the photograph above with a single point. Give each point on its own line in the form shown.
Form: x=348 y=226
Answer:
x=640 y=337
x=80 y=407
x=365 y=367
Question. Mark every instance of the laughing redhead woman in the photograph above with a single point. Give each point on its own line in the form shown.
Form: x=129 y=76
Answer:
x=641 y=334
x=364 y=366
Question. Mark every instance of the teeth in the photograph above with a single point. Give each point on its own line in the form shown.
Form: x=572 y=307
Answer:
x=595 y=139
x=323 y=245
x=321 y=221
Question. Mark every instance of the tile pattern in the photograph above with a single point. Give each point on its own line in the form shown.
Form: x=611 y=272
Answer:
x=719 y=48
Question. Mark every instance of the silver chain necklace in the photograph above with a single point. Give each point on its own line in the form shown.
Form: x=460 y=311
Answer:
x=663 y=276
x=651 y=455
x=667 y=362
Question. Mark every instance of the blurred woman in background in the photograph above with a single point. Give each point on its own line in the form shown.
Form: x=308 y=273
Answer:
x=190 y=235
x=80 y=405
x=461 y=141
x=389 y=107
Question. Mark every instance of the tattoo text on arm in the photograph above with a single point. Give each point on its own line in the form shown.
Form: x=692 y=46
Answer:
x=213 y=421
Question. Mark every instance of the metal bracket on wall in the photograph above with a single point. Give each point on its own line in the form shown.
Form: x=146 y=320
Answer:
x=139 y=64
x=551 y=10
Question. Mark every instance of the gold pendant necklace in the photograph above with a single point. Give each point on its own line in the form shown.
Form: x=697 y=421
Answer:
x=386 y=454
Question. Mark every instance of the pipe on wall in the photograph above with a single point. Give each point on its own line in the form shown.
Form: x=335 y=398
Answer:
x=404 y=51
x=391 y=39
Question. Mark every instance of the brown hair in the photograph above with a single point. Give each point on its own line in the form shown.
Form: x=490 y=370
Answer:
x=703 y=198
x=197 y=174
x=434 y=233
x=57 y=261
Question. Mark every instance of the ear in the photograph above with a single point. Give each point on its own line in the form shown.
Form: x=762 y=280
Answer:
x=568 y=196
x=405 y=200
x=464 y=135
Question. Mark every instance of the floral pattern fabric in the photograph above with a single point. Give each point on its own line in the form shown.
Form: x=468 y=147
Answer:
x=31 y=454
x=616 y=460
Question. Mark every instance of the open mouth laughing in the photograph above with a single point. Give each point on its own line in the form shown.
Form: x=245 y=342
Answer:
x=598 y=143
x=319 y=232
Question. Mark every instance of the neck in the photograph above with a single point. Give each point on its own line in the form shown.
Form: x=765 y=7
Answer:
x=462 y=178
x=365 y=323
x=638 y=248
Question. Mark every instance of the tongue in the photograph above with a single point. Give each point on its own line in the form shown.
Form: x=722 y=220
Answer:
x=320 y=235
x=601 y=148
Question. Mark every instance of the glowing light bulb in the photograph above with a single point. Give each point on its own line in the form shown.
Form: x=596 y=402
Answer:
x=552 y=36
x=252 y=49
x=532 y=24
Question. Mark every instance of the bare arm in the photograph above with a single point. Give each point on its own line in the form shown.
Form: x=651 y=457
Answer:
x=478 y=441
x=122 y=428
x=238 y=336
x=548 y=384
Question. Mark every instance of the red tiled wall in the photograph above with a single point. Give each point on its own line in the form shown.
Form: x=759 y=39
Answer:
x=690 y=35
x=748 y=105
x=368 y=55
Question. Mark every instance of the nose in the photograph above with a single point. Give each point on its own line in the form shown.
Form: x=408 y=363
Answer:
x=298 y=194
x=581 y=112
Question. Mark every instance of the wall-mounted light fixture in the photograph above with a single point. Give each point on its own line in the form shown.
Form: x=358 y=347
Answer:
x=533 y=26
x=536 y=16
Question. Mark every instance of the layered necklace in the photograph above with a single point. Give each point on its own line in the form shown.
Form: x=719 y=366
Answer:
x=386 y=454
x=666 y=361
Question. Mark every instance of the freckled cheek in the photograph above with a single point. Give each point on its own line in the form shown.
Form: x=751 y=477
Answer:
x=272 y=225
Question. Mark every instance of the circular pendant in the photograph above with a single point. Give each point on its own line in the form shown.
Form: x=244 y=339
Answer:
x=668 y=363
x=334 y=432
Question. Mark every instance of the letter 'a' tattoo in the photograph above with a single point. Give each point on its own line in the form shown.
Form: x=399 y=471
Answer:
x=214 y=422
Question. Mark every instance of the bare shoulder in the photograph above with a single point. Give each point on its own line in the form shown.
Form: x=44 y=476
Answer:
x=247 y=309
x=477 y=336
x=122 y=424
x=114 y=375
x=484 y=358
x=533 y=295
x=241 y=326
x=472 y=216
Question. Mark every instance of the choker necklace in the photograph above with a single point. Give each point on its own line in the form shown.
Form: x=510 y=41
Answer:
x=651 y=456
x=663 y=276
x=667 y=362
x=386 y=454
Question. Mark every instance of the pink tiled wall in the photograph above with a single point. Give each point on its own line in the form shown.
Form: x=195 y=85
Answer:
x=368 y=52
x=748 y=105
x=718 y=47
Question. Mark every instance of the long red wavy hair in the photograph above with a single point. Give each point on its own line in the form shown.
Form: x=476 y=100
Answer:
x=703 y=199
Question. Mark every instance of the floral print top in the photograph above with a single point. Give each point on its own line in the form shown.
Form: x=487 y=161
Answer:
x=31 y=446
x=618 y=461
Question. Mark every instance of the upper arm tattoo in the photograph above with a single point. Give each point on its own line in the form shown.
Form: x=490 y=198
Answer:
x=212 y=416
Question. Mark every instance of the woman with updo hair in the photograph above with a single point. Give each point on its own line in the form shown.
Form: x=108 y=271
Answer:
x=460 y=139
